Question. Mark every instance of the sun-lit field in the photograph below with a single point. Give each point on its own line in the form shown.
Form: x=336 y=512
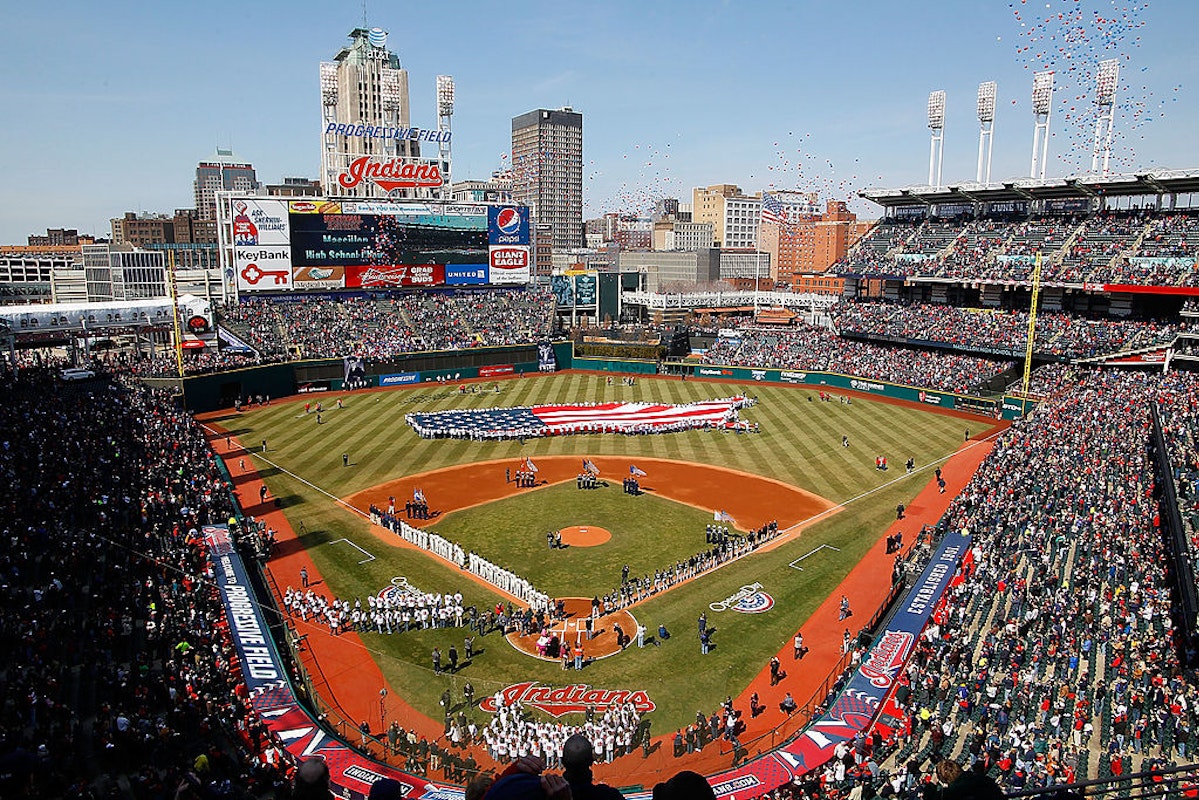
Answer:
x=800 y=444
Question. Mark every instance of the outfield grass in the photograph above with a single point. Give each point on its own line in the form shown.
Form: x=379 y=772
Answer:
x=799 y=444
x=648 y=533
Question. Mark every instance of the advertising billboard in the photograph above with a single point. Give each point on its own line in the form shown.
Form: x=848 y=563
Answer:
x=465 y=274
x=378 y=240
x=318 y=244
x=575 y=289
x=262 y=268
x=508 y=225
x=509 y=264
x=258 y=222
x=319 y=278
x=585 y=289
x=394 y=276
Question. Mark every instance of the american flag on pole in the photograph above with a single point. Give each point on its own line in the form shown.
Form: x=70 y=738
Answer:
x=589 y=466
x=634 y=470
x=773 y=211
x=530 y=465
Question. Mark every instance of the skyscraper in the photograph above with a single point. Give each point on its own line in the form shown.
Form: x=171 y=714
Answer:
x=547 y=171
x=368 y=145
x=221 y=174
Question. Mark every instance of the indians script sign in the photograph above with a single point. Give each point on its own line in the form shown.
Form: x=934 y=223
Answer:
x=572 y=699
x=392 y=174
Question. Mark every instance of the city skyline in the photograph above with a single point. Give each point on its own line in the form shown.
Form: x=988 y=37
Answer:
x=117 y=104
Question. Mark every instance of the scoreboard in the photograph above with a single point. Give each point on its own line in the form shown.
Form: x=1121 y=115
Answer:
x=311 y=244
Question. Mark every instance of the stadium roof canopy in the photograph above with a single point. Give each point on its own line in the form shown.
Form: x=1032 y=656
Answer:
x=1156 y=182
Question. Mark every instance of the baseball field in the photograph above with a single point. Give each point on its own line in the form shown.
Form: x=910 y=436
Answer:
x=796 y=470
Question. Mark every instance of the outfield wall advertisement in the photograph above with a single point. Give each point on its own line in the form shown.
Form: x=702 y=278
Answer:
x=281 y=245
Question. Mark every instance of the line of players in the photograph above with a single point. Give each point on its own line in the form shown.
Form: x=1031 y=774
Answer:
x=388 y=614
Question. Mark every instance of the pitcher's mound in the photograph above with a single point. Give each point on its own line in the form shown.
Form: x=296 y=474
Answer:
x=585 y=535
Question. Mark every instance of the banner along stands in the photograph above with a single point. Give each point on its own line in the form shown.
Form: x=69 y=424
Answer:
x=861 y=699
x=273 y=699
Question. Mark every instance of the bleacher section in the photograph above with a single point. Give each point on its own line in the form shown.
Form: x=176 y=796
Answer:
x=1135 y=247
x=1005 y=332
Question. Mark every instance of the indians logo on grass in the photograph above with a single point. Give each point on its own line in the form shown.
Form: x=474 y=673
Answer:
x=749 y=599
x=887 y=658
x=574 y=699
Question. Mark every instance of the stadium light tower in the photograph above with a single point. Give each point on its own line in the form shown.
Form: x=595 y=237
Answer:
x=329 y=141
x=445 y=112
x=986 y=127
x=936 y=147
x=1105 y=97
x=1042 y=107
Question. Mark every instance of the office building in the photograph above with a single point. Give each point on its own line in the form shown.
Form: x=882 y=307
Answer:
x=221 y=174
x=547 y=171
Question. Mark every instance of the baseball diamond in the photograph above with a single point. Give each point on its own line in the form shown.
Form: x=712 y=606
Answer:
x=794 y=474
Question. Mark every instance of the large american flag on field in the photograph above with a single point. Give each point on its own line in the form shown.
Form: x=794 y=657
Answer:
x=773 y=210
x=553 y=420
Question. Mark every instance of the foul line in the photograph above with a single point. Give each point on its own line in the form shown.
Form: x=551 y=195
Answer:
x=812 y=552
x=883 y=486
x=369 y=557
x=288 y=472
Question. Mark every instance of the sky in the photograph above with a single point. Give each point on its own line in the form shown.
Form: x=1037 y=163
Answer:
x=110 y=105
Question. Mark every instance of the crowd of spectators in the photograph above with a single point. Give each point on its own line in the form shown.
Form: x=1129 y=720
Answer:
x=812 y=348
x=316 y=327
x=1113 y=247
x=115 y=657
x=1055 y=657
x=1006 y=331
x=1059 y=646
x=1180 y=426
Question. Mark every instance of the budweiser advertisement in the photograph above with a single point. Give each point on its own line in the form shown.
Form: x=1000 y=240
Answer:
x=509 y=263
x=386 y=276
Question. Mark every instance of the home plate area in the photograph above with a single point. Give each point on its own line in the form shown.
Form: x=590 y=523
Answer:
x=571 y=632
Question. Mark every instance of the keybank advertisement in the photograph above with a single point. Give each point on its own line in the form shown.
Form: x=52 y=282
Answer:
x=858 y=704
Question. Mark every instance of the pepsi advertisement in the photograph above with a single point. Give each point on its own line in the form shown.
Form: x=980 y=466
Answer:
x=507 y=225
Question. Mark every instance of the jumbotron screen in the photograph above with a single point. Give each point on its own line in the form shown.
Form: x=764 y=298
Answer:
x=319 y=245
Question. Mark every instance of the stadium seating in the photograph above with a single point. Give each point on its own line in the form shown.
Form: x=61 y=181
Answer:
x=981 y=330
x=812 y=348
x=1126 y=247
